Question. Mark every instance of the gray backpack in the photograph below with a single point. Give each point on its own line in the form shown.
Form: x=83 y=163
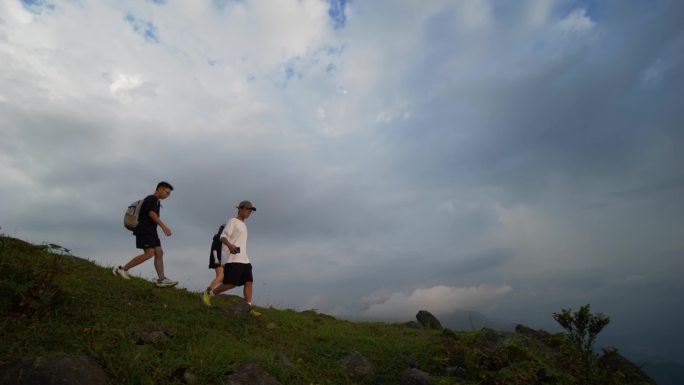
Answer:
x=132 y=213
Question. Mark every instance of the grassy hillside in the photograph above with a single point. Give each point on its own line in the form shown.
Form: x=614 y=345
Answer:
x=59 y=305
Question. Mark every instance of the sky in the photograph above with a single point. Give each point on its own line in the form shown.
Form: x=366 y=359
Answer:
x=510 y=158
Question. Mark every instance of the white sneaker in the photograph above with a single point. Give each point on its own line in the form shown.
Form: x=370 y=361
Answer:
x=119 y=271
x=165 y=282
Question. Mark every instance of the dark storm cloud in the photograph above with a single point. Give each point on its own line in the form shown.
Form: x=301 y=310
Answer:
x=587 y=114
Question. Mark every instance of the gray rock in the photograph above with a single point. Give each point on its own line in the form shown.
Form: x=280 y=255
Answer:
x=428 y=320
x=53 y=371
x=282 y=359
x=414 y=325
x=357 y=366
x=250 y=373
x=415 y=377
x=186 y=376
x=152 y=337
x=237 y=307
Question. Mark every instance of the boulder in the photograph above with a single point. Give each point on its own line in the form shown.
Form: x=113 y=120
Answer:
x=357 y=366
x=53 y=371
x=250 y=373
x=415 y=377
x=283 y=360
x=237 y=307
x=152 y=337
x=428 y=320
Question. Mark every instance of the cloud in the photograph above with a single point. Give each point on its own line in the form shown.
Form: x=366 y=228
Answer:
x=537 y=12
x=577 y=21
x=437 y=300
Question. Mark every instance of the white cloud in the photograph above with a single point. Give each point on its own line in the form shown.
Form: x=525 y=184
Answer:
x=537 y=12
x=14 y=12
x=577 y=21
x=437 y=300
x=124 y=83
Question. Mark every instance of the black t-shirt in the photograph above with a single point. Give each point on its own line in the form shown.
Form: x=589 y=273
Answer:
x=216 y=244
x=146 y=226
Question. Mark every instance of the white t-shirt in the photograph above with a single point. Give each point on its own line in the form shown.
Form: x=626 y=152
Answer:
x=236 y=233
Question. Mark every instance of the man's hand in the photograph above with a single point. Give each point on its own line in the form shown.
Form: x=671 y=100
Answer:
x=161 y=224
x=166 y=231
x=232 y=248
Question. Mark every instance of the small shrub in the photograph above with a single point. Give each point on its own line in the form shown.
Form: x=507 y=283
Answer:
x=583 y=328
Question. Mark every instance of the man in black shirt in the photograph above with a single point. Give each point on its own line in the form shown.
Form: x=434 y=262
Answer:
x=146 y=237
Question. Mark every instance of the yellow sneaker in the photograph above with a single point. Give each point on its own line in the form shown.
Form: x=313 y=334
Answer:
x=254 y=313
x=206 y=298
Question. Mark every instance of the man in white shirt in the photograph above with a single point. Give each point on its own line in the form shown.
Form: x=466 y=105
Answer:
x=237 y=269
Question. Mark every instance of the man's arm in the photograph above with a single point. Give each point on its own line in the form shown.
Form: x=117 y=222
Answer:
x=224 y=237
x=161 y=224
x=231 y=247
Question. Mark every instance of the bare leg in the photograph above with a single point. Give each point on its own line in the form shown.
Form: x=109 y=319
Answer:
x=148 y=253
x=219 y=277
x=222 y=287
x=159 y=262
x=248 y=292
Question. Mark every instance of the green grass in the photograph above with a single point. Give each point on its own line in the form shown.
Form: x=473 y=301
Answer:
x=59 y=305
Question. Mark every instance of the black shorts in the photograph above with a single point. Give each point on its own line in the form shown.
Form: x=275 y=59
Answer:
x=237 y=273
x=147 y=241
x=212 y=264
